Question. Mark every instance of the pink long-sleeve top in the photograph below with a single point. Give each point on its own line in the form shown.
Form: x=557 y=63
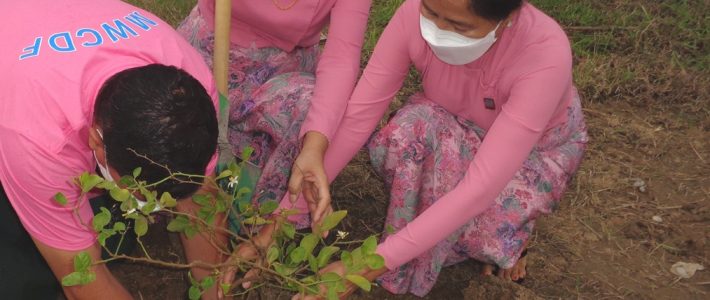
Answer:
x=51 y=76
x=261 y=23
x=527 y=73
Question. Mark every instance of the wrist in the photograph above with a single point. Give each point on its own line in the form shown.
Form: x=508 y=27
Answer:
x=315 y=143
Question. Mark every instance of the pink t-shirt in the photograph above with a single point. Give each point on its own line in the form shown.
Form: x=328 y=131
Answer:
x=55 y=56
x=261 y=23
x=526 y=74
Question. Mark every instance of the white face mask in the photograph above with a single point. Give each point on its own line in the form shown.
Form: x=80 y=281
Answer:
x=453 y=48
x=104 y=170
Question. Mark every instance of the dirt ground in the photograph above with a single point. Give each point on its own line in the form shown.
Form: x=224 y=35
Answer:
x=639 y=203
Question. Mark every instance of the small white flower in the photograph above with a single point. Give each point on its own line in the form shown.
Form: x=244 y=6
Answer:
x=233 y=181
x=342 y=234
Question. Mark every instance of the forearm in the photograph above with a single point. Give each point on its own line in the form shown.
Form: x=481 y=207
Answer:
x=62 y=264
x=99 y=289
x=206 y=247
x=209 y=247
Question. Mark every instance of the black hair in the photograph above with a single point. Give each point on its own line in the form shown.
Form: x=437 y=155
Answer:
x=494 y=10
x=163 y=113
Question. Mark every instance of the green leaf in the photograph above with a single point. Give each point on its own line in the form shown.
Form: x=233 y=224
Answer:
x=369 y=245
x=298 y=255
x=390 y=229
x=311 y=288
x=60 y=199
x=178 y=224
x=78 y=278
x=255 y=220
x=201 y=199
x=119 y=194
x=89 y=181
x=150 y=196
x=137 y=172
x=358 y=260
x=141 y=226
x=221 y=205
x=149 y=207
x=309 y=242
x=347 y=259
x=101 y=219
x=332 y=220
x=194 y=293
x=332 y=293
x=375 y=261
x=127 y=181
x=72 y=279
x=272 y=254
x=224 y=174
x=106 y=185
x=242 y=192
x=360 y=281
x=234 y=167
x=205 y=212
x=283 y=270
x=244 y=207
x=82 y=261
x=167 y=200
x=340 y=286
x=268 y=207
x=246 y=153
x=225 y=288
x=207 y=282
x=288 y=230
x=313 y=263
x=119 y=226
x=290 y=247
x=288 y=212
x=325 y=254
x=190 y=231
x=103 y=236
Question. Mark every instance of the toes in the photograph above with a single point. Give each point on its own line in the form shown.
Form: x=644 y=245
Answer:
x=488 y=270
x=504 y=274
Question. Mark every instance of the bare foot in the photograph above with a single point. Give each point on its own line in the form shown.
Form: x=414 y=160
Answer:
x=517 y=272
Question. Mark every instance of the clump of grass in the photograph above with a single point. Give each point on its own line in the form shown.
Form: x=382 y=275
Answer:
x=170 y=11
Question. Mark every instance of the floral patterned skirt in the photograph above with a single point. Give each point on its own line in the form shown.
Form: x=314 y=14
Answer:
x=269 y=95
x=423 y=165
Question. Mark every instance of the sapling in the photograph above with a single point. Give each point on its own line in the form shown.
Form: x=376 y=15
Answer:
x=292 y=262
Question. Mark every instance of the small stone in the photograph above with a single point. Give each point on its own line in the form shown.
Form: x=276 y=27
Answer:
x=639 y=184
x=685 y=270
x=657 y=219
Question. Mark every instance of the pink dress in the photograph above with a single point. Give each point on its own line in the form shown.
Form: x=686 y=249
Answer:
x=476 y=157
x=277 y=72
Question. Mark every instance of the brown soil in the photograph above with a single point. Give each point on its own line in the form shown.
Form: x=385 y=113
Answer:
x=649 y=155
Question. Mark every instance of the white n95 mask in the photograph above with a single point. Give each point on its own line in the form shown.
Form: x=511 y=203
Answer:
x=103 y=169
x=453 y=48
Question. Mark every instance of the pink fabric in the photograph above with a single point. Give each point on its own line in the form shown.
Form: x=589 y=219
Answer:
x=262 y=24
x=528 y=74
x=47 y=94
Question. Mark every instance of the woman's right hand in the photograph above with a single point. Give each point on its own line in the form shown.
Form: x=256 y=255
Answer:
x=308 y=177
